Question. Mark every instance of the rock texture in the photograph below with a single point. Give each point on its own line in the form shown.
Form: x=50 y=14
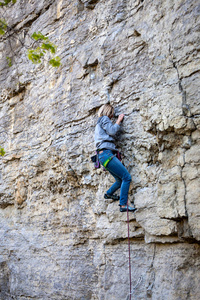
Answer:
x=59 y=239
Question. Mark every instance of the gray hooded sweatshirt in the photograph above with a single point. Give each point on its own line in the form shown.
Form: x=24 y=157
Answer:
x=106 y=133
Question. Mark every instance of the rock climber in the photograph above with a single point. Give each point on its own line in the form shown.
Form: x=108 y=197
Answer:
x=105 y=136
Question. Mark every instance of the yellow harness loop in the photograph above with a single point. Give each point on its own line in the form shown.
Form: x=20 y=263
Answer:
x=107 y=161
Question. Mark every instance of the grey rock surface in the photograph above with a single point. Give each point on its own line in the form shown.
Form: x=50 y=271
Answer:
x=59 y=238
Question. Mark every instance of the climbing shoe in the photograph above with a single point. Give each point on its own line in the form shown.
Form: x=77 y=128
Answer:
x=123 y=209
x=113 y=197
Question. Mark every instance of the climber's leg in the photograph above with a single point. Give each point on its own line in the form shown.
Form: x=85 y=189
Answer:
x=116 y=185
x=117 y=169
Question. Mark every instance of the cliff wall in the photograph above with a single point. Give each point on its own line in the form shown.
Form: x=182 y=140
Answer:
x=59 y=239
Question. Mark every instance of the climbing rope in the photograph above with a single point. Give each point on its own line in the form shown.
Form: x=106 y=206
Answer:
x=129 y=252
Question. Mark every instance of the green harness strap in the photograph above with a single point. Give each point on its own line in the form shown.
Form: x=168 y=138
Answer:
x=107 y=161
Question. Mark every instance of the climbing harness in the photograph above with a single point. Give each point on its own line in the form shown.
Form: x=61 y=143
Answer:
x=107 y=161
x=95 y=159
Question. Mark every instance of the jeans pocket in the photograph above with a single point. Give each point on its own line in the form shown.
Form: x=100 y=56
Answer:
x=102 y=158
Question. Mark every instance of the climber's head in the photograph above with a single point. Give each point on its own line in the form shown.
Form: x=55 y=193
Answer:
x=106 y=110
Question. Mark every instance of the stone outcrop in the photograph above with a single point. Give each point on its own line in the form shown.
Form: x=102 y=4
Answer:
x=59 y=239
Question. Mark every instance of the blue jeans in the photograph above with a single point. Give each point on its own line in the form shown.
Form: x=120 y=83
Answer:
x=119 y=172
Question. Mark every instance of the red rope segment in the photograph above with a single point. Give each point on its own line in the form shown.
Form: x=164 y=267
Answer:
x=129 y=251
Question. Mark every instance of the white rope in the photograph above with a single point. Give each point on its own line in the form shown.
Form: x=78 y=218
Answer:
x=137 y=284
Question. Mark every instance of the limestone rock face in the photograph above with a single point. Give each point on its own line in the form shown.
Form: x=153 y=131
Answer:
x=59 y=238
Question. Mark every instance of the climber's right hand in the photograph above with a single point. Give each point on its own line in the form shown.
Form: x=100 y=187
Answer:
x=120 y=118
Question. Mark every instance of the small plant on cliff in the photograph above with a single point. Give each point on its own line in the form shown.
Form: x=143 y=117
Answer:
x=35 y=55
x=2 y=152
x=6 y=2
x=39 y=47
x=3 y=27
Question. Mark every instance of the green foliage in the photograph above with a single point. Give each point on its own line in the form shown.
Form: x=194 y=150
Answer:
x=9 y=61
x=55 y=62
x=6 y=2
x=35 y=55
x=39 y=36
x=2 y=152
x=42 y=41
x=49 y=47
x=3 y=27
